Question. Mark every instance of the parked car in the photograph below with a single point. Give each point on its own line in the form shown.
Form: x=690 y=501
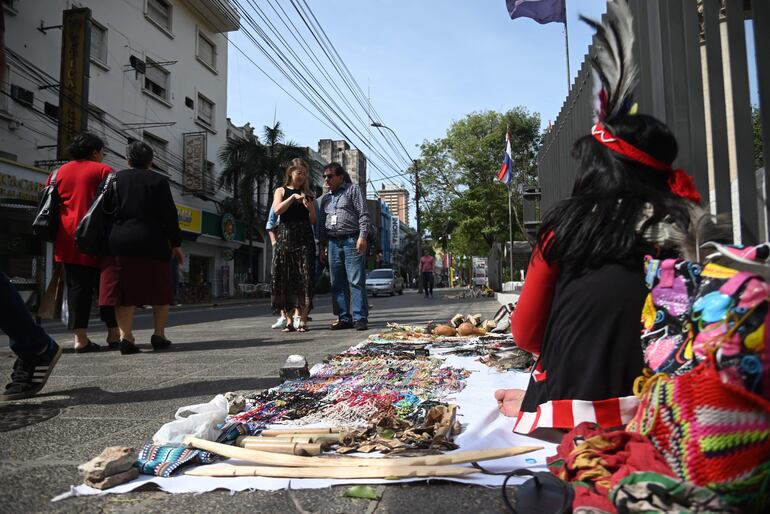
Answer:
x=384 y=281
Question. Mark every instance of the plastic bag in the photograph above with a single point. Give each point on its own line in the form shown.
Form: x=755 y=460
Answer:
x=199 y=420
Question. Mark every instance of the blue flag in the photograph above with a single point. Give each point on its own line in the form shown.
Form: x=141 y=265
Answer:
x=542 y=11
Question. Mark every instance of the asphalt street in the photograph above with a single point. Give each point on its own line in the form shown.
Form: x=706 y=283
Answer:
x=104 y=399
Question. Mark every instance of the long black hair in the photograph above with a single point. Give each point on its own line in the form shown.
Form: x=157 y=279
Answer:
x=598 y=223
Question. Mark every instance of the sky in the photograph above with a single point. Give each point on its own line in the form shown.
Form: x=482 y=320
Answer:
x=424 y=64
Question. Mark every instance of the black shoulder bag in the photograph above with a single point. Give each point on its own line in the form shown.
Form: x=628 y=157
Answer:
x=92 y=231
x=46 y=222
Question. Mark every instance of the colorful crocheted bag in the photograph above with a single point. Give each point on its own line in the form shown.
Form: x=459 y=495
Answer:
x=690 y=311
x=711 y=433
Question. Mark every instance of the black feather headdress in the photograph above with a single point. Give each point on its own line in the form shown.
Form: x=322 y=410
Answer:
x=615 y=72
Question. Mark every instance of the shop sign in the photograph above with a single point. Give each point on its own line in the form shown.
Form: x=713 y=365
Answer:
x=395 y=236
x=189 y=218
x=228 y=227
x=194 y=161
x=228 y=254
x=19 y=188
x=73 y=76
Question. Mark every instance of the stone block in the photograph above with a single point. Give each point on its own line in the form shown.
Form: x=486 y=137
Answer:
x=116 y=479
x=112 y=460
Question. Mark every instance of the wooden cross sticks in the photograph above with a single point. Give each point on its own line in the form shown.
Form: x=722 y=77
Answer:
x=273 y=459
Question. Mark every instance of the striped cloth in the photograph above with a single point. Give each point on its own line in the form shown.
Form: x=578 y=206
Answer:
x=162 y=461
x=567 y=414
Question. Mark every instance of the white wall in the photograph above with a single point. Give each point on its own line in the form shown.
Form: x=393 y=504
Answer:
x=116 y=88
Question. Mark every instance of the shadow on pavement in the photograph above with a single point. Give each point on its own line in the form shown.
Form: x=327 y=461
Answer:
x=98 y=396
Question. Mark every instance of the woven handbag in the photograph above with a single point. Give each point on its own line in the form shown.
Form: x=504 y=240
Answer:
x=711 y=433
x=692 y=310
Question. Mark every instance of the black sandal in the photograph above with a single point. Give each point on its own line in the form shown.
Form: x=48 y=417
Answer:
x=128 y=348
x=303 y=328
x=90 y=347
x=288 y=328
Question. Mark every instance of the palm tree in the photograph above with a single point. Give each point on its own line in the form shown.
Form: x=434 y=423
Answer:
x=242 y=173
x=279 y=153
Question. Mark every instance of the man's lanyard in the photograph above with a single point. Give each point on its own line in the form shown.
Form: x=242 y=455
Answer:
x=336 y=199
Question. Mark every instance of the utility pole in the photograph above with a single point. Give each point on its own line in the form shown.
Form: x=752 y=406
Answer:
x=417 y=220
x=416 y=169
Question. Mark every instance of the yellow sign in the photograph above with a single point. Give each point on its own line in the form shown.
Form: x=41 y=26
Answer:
x=189 y=218
x=19 y=188
x=73 y=77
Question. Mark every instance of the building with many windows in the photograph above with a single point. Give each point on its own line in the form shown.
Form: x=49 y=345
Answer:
x=155 y=70
x=397 y=198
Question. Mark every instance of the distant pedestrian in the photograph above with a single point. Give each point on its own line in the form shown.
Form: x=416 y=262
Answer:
x=144 y=235
x=427 y=264
x=343 y=229
x=294 y=255
x=77 y=183
x=36 y=353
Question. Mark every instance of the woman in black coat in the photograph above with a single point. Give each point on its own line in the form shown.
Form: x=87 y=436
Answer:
x=143 y=237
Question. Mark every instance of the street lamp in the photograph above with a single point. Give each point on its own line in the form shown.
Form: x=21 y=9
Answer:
x=379 y=125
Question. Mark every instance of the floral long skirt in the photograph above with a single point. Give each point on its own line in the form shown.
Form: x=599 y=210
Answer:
x=293 y=267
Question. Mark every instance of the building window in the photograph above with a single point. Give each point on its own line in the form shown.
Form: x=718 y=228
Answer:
x=206 y=51
x=4 y=90
x=98 y=43
x=10 y=5
x=205 y=111
x=156 y=79
x=159 y=11
x=160 y=151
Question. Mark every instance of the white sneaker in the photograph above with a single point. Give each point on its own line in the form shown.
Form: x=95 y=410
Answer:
x=295 y=323
x=279 y=324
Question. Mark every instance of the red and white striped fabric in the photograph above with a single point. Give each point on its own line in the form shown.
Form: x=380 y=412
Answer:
x=568 y=414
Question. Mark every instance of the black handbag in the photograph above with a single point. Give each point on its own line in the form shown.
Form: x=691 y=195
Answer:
x=93 y=229
x=46 y=222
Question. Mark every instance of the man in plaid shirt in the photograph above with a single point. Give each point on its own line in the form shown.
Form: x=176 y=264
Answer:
x=343 y=227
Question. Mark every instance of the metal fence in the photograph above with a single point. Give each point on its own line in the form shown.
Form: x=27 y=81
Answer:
x=694 y=76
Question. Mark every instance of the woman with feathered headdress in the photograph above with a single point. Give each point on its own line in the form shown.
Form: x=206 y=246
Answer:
x=582 y=300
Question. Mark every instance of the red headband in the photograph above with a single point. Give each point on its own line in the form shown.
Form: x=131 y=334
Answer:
x=680 y=183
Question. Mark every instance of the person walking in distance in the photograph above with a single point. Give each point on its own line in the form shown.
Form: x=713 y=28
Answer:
x=343 y=228
x=144 y=235
x=77 y=183
x=427 y=263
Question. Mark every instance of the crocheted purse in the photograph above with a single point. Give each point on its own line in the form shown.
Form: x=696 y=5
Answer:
x=690 y=311
x=711 y=433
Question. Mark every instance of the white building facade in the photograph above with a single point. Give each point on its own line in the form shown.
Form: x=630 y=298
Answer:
x=157 y=73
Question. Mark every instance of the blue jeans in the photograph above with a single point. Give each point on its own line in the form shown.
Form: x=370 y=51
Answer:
x=347 y=269
x=27 y=338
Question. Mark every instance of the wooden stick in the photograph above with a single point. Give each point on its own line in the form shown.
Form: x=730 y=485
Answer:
x=299 y=430
x=272 y=459
x=390 y=472
x=292 y=438
x=287 y=448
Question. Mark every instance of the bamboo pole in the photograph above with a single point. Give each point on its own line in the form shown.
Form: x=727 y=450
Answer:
x=272 y=459
x=300 y=431
x=386 y=472
x=287 y=448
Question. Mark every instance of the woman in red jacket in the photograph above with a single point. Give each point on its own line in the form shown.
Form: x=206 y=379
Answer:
x=77 y=183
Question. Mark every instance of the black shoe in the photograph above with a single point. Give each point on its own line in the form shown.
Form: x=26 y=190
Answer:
x=128 y=348
x=341 y=325
x=29 y=376
x=361 y=325
x=159 y=343
x=113 y=345
x=90 y=347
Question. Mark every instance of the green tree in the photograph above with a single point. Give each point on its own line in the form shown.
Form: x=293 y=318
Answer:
x=464 y=206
